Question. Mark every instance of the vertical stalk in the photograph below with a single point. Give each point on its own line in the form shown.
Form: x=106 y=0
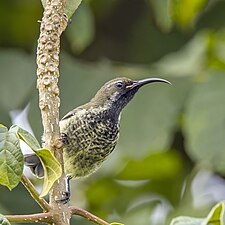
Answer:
x=53 y=23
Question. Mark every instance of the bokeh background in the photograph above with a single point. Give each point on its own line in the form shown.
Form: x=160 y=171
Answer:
x=170 y=159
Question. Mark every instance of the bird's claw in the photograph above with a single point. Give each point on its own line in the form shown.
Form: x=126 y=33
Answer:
x=65 y=197
x=66 y=194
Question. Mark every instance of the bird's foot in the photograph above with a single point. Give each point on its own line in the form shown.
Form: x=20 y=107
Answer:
x=65 y=197
x=64 y=139
x=66 y=194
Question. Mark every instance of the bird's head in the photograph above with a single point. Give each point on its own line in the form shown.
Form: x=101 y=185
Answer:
x=116 y=93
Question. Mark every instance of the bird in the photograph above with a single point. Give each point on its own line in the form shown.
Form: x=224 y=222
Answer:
x=90 y=132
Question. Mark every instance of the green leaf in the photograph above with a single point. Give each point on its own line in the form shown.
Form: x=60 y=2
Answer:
x=3 y=220
x=215 y=49
x=216 y=215
x=167 y=164
x=184 y=12
x=81 y=31
x=52 y=168
x=184 y=220
x=187 y=61
x=115 y=223
x=161 y=14
x=27 y=137
x=71 y=6
x=18 y=67
x=204 y=123
x=11 y=158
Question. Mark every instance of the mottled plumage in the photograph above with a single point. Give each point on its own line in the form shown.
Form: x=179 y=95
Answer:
x=90 y=132
x=91 y=135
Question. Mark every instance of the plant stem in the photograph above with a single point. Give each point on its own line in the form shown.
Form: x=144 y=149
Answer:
x=81 y=212
x=35 y=195
x=53 y=23
x=46 y=218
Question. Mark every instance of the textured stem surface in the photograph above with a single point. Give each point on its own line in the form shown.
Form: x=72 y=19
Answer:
x=81 y=212
x=46 y=218
x=53 y=23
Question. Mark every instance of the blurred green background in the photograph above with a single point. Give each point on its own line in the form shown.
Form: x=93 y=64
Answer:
x=170 y=159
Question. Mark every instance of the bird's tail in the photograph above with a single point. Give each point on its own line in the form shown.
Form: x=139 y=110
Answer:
x=34 y=163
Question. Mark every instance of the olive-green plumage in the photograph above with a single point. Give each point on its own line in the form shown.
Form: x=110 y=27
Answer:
x=90 y=132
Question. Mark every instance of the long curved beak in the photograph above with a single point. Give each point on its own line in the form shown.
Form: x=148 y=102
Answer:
x=140 y=83
x=151 y=80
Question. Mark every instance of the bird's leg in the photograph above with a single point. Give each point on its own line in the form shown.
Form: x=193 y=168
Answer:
x=64 y=138
x=66 y=194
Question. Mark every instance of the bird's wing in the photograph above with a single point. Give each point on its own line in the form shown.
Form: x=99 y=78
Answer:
x=73 y=112
x=69 y=114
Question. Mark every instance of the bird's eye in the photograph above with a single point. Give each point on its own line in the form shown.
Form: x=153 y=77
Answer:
x=119 y=84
